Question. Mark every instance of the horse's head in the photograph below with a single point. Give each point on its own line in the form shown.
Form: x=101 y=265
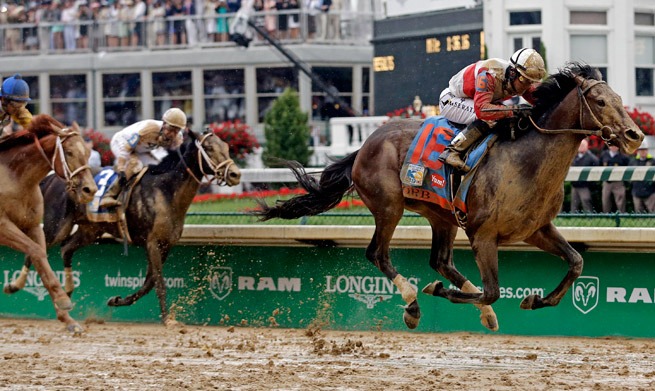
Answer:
x=70 y=162
x=214 y=159
x=605 y=110
x=598 y=109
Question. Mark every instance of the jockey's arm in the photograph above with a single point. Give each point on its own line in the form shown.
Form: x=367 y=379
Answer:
x=23 y=117
x=126 y=143
x=485 y=85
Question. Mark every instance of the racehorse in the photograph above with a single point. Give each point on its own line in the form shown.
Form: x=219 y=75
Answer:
x=516 y=192
x=26 y=157
x=154 y=214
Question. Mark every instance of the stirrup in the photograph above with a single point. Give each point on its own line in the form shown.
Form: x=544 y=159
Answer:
x=109 y=202
x=453 y=159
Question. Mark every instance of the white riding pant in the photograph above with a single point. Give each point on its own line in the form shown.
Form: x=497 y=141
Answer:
x=455 y=109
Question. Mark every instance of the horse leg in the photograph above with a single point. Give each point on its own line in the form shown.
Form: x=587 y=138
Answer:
x=486 y=257
x=441 y=260
x=19 y=283
x=32 y=244
x=157 y=253
x=148 y=284
x=551 y=241
x=84 y=236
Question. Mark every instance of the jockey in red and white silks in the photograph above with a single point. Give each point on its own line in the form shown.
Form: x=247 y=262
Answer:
x=482 y=85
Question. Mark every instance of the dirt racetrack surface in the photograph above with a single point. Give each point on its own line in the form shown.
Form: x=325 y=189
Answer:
x=40 y=355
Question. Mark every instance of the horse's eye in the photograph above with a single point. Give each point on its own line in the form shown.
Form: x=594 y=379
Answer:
x=601 y=103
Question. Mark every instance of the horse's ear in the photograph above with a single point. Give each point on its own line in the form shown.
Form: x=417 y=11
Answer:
x=192 y=135
x=75 y=126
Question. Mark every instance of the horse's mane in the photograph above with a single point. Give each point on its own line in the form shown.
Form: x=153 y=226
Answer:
x=173 y=158
x=41 y=126
x=554 y=89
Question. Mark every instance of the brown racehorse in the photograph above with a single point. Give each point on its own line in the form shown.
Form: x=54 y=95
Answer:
x=155 y=212
x=516 y=193
x=26 y=157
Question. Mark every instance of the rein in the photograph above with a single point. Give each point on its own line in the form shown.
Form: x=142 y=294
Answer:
x=202 y=155
x=59 y=151
x=602 y=129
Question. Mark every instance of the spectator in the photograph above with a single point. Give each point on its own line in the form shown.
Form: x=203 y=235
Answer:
x=333 y=26
x=156 y=16
x=176 y=27
x=294 y=19
x=313 y=9
x=233 y=5
x=221 y=21
x=282 y=19
x=580 y=191
x=270 y=21
x=209 y=17
x=613 y=189
x=139 y=15
x=643 y=193
x=85 y=16
x=69 y=17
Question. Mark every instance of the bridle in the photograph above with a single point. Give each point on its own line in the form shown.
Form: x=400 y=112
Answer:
x=68 y=174
x=219 y=170
x=605 y=132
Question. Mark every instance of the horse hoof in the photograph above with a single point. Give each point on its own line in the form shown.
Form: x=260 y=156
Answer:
x=64 y=304
x=489 y=321
x=532 y=302
x=75 y=329
x=10 y=288
x=433 y=288
x=412 y=315
x=114 y=301
x=169 y=322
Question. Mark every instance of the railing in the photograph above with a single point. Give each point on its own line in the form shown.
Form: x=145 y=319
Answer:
x=158 y=34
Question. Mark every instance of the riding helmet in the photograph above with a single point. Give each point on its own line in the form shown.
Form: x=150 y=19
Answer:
x=529 y=64
x=15 y=88
x=175 y=117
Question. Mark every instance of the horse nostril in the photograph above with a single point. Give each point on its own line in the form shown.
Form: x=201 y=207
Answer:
x=633 y=135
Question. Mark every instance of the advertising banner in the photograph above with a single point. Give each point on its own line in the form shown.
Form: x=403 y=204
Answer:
x=338 y=288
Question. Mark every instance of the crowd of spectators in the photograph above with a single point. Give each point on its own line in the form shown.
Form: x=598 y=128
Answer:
x=82 y=24
x=614 y=195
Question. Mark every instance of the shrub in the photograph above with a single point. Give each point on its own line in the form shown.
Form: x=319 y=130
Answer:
x=101 y=144
x=238 y=136
x=644 y=120
x=287 y=131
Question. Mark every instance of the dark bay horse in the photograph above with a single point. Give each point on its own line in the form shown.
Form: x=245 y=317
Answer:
x=26 y=157
x=155 y=212
x=516 y=193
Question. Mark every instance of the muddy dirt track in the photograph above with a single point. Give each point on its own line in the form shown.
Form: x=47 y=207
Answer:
x=39 y=355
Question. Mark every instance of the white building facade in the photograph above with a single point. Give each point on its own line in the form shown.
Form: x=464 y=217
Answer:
x=617 y=36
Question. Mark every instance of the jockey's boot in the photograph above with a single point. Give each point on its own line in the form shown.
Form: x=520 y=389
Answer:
x=452 y=155
x=110 y=199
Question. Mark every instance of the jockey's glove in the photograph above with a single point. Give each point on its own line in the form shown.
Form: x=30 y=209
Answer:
x=522 y=111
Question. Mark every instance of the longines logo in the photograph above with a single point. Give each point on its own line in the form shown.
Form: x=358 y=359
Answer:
x=369 y=290
x=34 y=285
x=586 y=290
x=220 y=282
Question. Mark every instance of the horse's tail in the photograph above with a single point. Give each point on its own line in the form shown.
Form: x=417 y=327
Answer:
x=321 y=195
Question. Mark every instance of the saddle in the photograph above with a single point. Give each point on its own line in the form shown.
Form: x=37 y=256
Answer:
x=114 y=214
x=425 y=178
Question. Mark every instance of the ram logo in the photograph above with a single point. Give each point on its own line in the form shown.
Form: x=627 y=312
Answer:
x=585 y=293
x=220 y=282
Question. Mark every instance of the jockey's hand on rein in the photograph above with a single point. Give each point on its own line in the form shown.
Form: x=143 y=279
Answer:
x=122 y=179
x=522 y=111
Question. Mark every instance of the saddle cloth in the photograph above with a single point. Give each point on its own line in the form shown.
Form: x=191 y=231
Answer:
x=94 y=212
x=427 y=179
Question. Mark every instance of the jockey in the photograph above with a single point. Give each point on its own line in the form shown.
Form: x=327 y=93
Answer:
x=131 y=145
x=482 y=86
x=14 y=95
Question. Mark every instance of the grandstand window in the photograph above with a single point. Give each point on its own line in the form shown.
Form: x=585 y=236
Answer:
x=172 y=89
x=271 y=82
x=224 y=91
x=589 y=17
x=518 y=18
x=121 y=95
x=340 y=81
x=590 y=49
x=69 y=99
x=645 y=63
x=644 y=19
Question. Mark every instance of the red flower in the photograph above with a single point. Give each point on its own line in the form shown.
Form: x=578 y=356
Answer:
x=644 y=120
x=238 y=137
